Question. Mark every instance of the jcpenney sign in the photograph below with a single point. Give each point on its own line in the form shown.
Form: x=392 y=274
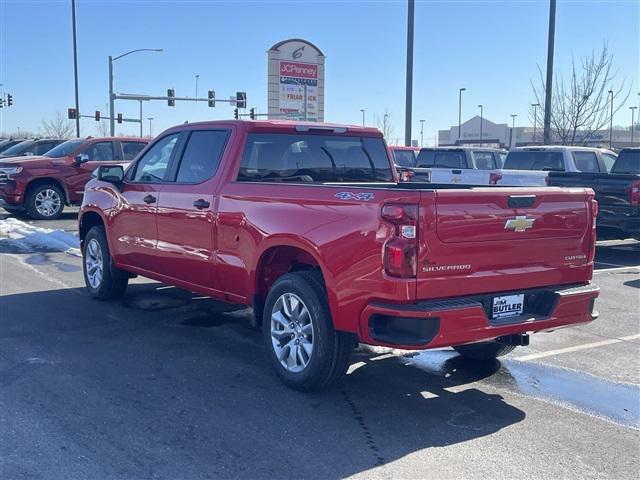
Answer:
x=301 y=70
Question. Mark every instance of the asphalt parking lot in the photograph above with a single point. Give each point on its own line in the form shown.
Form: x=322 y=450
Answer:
x=166 y=384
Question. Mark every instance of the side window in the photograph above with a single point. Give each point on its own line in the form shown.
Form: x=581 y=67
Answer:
x=43 y=147
x=201 y=155
x=484 y=160
x=152 y=167
x=100 y=152
x=608 y=160
x=131 y=149
x=586 y=162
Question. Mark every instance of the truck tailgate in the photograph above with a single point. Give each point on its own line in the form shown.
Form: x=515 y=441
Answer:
x=486 y=240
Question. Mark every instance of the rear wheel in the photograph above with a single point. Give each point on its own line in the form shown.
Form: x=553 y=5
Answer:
x=305 y=350
x=484 y=350
x=104 y=281
x=45 y=202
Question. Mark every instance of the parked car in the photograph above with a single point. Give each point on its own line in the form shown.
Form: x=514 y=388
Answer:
x=539 y=161
x=617 y=193
x=404 y=159
x=31 y=147
x=458 y=165
x=307 y=224
x=43 y=185
x=5 y=144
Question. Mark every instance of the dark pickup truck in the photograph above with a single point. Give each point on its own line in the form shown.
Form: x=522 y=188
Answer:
x=617 y=193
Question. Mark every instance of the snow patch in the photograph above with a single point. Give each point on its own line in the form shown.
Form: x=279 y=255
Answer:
x=26 y=237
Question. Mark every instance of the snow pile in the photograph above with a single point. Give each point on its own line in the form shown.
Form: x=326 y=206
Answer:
x=24 y=236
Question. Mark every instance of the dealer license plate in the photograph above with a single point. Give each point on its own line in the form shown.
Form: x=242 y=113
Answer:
x=507 y=306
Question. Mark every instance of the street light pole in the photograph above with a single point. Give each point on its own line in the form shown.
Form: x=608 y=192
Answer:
x=150 y=131
x=513 y=125
x=384 y=125
x=112 y=123
x=141 y=119
x=535 y=119
x=409 y=85
x=633 y=111
x=197 y=78
x=460 y=110
x=548 y=86
x=421 y=133
x=75 y=66
x=362 y=110
x=480 y=122
x=611 y=118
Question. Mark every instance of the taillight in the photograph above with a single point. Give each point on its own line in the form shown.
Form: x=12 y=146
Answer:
x=634 y=193
x=401 y=251
x=494 y=178
x=405 y=175
x=594 y=215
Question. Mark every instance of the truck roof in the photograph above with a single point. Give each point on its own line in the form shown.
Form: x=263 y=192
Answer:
x=286 y=126
x=557 y=148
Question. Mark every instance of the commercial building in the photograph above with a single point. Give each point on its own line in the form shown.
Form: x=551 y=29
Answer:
x=501 y=135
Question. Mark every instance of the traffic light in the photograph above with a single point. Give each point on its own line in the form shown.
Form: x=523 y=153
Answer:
x=119 y=118
x=97 y=115
x=1 y=102
x=171 y=93
x=252 y=113
x=212 y=98
x=72 y=114
x=9 y=100
x=241 y=99
x=236 y=114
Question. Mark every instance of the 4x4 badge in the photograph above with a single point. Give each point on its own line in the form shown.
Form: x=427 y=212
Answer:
x=520 y=223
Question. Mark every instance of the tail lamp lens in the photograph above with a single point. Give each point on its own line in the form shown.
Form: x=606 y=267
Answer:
x=401 y=250
x=494 y=178
x=634 y=194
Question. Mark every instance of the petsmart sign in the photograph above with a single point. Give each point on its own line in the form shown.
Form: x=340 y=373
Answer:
x=296 y=73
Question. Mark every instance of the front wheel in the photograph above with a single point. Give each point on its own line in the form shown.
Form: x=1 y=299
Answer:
x=103 y=280
x=45 y=202
x=484 y=350
x=305 y=350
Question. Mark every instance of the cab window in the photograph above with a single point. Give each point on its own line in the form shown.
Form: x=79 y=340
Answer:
x=608 y=160
x=152 y=167
x=201 y=155
x=586 y=162
x=131 y=149
x=100 y=152
x=484 y=160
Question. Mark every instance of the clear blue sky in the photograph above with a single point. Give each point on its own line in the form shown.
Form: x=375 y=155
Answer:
x=490 y=47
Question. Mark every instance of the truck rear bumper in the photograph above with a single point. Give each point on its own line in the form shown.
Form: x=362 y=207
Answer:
x=442 y=323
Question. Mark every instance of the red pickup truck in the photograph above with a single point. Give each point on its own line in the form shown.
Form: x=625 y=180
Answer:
x=43 y=185
x=307 y=224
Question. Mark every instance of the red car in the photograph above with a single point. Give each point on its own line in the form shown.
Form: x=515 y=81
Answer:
x=307 y=224
x=43 y=185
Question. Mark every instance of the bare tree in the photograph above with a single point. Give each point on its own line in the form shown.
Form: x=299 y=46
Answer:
x=581 y=104
x=384 y=123
x=103 y=128
x=59 y=127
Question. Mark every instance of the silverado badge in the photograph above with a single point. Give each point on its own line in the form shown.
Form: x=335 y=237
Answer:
x=520 y=223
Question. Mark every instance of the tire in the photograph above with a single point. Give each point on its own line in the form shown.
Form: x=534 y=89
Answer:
x=484 y=350
x=45 y=202
x=103 y=280
x=308 y=323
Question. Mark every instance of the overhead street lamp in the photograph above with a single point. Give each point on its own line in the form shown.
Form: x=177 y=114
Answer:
x=362 y=110
x=535 y=119
x=610 y=117
x=112 y=122
x=481 y=107
x=460 y=109
x=513 y=125
x=633 y=111
x=421 y=133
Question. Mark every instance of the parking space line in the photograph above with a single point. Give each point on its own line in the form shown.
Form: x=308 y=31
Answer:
x=616 y=269
x=576 y=348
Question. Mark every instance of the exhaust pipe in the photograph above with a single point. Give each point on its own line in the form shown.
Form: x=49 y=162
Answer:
x=520 y=340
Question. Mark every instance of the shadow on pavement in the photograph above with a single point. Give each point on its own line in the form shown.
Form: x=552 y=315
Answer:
x=165 y=384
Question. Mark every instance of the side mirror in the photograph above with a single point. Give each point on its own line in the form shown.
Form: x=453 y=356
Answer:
x=82 y=158
x=110 y=173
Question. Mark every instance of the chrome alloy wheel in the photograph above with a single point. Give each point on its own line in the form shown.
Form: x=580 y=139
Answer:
x=292 y=332
x=94 y=263
x=48 y=202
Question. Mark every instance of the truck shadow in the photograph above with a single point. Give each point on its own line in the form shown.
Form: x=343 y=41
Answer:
x=167 y=384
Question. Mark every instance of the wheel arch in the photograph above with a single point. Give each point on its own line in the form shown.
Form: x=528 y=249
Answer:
x=48 y=181
x=87 y=220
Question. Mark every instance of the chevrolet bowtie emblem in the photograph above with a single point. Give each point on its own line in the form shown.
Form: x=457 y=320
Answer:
x=520 y=223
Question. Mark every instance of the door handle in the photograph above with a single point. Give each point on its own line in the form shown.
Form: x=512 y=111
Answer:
x=201 y=204
x=149 y=199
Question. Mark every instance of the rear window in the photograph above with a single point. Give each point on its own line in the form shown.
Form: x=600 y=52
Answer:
x=586 y=162
x=484 y=160
x=308 y=158
x=131 y=149
x=628 y=162
x=442 y=159
x=534 y=160
x=404 y=158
